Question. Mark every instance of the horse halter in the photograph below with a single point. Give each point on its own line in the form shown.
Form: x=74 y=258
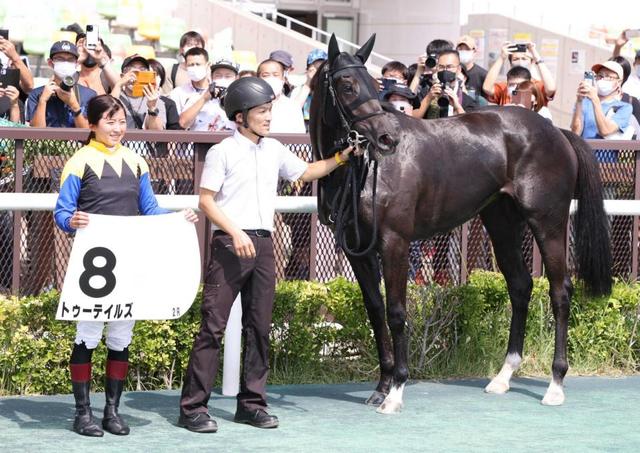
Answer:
x=346 y=118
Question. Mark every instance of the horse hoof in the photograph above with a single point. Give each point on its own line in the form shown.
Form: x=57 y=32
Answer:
x=375 y=399
x=554 y=395
x=497 y=387
x=389 y=407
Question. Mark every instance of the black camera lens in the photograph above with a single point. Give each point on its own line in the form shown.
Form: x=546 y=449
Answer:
x=67 y=83
x=431 y=61
x=443 y=102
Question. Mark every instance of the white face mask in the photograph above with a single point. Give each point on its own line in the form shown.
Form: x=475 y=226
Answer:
x=466 y=56
x=275 y=83
x=402 y=106
x=224 y=82
x=197 y=73
x=605 y=87
x=64 y=69
x=521 y=63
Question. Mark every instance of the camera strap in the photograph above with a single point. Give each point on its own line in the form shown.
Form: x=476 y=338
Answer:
x=133 y=113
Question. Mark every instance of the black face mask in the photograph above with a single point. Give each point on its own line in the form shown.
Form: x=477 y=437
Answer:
x=90 y=62
x=446 y=77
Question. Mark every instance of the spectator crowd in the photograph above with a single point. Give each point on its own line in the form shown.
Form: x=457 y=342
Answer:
x=444 y=81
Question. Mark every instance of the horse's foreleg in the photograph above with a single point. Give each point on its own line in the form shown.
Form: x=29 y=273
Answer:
x=367 y=272
x=506 y=226
x=395 y=264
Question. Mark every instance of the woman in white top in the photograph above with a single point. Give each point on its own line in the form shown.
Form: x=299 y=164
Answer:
x=537 y=99
x=286 y=114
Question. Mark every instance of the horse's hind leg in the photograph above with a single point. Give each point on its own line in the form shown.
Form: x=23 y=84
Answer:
x=395 y=266
x=367 y=272
x=506 y=227
x=551 y=238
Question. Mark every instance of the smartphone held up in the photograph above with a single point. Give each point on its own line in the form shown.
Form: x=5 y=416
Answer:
x=92 y=37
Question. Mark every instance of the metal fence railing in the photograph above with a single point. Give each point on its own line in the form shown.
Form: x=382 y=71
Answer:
x=34 y=253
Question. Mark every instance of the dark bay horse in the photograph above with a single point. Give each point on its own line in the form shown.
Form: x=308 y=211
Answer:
x=507 y=164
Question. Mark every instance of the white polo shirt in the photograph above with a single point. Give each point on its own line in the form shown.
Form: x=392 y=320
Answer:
x=245 y=177
x=211 y=116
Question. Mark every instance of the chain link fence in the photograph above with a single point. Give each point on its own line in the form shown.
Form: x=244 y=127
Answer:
x=304 y=248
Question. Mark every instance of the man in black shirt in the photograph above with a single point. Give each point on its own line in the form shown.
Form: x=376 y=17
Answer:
x=466 y=47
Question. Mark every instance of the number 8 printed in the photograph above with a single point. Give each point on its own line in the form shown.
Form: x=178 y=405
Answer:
x=105 y=272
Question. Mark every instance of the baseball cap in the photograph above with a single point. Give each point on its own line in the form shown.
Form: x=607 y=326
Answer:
x=467 y=40
x=283 y=57
x=224 y=63
x=63 y=47
x=132 y=59
x=404 y=91
x=610 y=65
x=315 y=55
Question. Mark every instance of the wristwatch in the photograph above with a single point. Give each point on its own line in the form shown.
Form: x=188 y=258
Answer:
x=153 y=112
x=77 y=113
x=541 y=60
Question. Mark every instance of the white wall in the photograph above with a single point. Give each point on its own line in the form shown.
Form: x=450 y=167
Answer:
x=405 y=27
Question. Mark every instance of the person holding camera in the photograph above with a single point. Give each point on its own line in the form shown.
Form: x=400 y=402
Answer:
x=599 y=113
x=61 y=102
x=421 y=81
x=95 y=71
x=12 y=60
x=446 y=96
x=518 y=55
x=11 y=107
x=144 y=109
x=199 y=101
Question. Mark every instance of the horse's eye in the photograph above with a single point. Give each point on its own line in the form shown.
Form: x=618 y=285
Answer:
x=348 y=89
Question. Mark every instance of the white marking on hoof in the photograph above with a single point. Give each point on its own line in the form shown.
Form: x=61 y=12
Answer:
x=499 y=385
x=392 y=404
x=554 y=395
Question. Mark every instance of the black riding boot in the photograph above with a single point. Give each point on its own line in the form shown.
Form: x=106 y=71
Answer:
x=84 y=422
x=112 y=421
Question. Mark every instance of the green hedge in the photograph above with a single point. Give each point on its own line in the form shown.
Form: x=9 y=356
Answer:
x=321 y=334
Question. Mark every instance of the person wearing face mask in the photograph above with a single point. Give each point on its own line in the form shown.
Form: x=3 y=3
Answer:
x=61 y=102
x=286 y=60
x=146 y=111
x=95 y=71
x=476 y=75
x=287 y=116
x=496 y=92
x=626 y=97
x=178 y=75
x=446 y=96
x=598 y=112
x=198 y=100
x=402 y=98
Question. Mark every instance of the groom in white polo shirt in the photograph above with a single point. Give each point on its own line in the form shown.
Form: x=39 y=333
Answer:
x=238 y=194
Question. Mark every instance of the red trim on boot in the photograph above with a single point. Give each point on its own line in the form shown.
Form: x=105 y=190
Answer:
x=117 y=369
x=80 y=372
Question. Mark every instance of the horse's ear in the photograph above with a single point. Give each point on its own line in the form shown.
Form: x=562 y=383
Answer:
x=334 y=50
x=364 y=51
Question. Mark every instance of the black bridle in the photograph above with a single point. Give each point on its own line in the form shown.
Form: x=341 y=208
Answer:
x=345 y=203
x=347 y=118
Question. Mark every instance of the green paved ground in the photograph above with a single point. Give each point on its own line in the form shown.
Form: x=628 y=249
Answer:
x=600 y=414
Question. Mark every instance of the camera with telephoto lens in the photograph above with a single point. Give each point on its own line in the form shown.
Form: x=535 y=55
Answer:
x=520 y=48
x=431 y=61
x=67 y=83
x=216 y=91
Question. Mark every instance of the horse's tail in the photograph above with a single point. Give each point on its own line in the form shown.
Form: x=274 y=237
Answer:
x=592 y=244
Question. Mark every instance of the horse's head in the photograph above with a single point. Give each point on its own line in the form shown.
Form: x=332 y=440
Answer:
x=346 y=99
